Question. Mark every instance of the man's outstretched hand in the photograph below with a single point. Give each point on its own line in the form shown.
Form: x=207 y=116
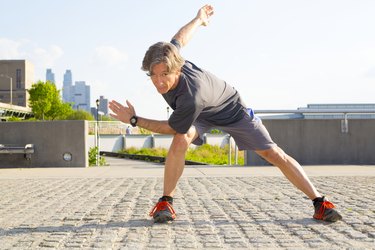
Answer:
x=205 y=13
x=121 y=112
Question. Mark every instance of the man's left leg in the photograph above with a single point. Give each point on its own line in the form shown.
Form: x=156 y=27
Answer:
x=324 y=210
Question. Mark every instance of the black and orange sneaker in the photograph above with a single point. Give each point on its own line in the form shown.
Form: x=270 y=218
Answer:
x=163 y=211
x=325 y=210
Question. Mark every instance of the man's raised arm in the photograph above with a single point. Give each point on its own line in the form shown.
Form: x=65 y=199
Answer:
x=202 y=19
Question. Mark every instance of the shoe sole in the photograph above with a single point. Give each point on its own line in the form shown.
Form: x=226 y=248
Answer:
x=163 y=217
x=332 y=216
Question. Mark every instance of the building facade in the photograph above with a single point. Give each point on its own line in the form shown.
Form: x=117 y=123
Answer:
x=16 y=77
x=103 y=106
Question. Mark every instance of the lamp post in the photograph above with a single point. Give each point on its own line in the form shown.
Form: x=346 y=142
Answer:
x=11 y=87
x=97 y=131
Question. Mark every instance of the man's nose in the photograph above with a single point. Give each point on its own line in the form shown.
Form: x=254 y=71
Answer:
x=158 y=81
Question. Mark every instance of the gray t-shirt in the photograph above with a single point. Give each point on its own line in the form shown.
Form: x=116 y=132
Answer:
x=201 y=96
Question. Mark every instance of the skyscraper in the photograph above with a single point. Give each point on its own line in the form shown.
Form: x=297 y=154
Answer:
x=81 y=97
x=50 y=76
x=78 y=94
x=67 y=86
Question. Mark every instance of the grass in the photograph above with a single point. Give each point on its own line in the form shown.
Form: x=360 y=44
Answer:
x=206 y=153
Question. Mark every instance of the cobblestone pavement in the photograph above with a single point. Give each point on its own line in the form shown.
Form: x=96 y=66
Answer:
x=213 y=212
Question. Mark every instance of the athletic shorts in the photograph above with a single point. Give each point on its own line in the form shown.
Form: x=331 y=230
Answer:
x=249 y=133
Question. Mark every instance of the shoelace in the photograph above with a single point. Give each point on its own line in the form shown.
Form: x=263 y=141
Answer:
x=163 y=205
x=326 y=204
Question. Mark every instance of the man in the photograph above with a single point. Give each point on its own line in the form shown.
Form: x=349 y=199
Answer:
x=202 y=101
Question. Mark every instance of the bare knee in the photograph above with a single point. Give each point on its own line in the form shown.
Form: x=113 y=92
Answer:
x=181 y=142
x=274 y=155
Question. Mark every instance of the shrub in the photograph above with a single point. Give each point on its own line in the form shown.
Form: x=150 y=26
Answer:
x=92 y=157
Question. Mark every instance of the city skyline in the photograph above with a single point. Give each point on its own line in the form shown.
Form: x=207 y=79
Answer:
x=79 y=94
x=279 y=55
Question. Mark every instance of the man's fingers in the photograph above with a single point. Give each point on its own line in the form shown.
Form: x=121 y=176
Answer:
x=115 y=106
x=113 y=102
x=130 y=106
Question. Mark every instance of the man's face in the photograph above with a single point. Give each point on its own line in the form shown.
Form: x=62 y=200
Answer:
x=162 y=79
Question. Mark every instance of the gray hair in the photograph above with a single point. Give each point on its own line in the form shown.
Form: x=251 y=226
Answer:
x=162 y=52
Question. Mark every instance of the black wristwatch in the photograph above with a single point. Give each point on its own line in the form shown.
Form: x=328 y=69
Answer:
x=133 y=120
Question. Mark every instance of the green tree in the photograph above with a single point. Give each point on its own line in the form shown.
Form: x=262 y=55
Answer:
x=45 y=102
x=59 y=110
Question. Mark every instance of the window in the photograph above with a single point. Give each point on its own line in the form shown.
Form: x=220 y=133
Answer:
x=18 y=78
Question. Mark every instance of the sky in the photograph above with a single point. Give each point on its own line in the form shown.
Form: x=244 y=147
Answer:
x=279 y=54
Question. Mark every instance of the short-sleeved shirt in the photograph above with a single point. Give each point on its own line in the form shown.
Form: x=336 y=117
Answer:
x=201 y=96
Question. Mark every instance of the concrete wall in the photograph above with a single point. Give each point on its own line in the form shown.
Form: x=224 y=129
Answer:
x=51 y=140
x=314 y=142
x=109 y=143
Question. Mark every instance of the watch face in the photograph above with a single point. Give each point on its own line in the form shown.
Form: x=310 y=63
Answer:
x=133 y=121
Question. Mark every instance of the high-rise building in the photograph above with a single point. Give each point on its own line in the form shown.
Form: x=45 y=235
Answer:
x=81 y=96
x=103 y=106
x=50 y=76
x=78 y=94
x=68 y=86
x=16 y=77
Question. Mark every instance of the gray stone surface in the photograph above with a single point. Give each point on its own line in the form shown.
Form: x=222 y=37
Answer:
x=233 y=212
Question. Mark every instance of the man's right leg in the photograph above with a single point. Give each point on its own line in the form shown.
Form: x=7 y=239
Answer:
x=174 y=167
x=175 y=162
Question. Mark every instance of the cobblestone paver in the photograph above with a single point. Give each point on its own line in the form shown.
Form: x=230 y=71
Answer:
x=228 y=213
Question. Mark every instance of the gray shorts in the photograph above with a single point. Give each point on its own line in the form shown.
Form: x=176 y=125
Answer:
x=249 y=133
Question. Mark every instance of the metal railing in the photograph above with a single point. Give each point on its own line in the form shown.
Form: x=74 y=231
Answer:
x=108 y=127
x=9 y=110
x=343 y=112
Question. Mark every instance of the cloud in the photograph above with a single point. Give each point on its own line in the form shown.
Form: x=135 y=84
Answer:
x=9 y=49
x=47 y=56
x=109 y=55
x=26 y=49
